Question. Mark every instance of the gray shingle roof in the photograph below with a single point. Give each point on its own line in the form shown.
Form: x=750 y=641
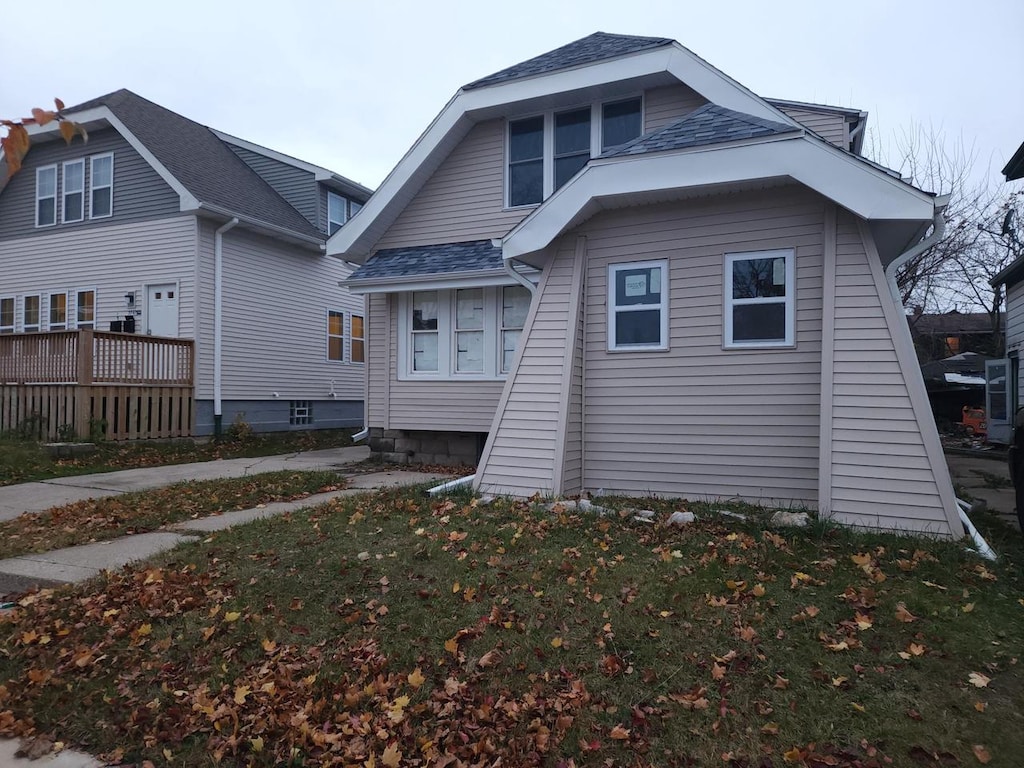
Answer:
x=711 y=124
x=204 y=164
x=475 y=256
x=595 y=47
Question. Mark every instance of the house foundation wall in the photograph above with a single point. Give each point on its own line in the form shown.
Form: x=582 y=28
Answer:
x=400 y=446
x=276 y=415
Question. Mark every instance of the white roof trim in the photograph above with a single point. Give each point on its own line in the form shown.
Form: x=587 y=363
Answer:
x=187 y=201
x=475 y=279
x=354 y=241
x=830 y=172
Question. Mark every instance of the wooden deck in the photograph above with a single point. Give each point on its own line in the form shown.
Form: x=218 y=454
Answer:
x=117 y=386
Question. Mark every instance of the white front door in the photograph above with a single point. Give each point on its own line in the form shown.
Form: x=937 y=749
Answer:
x=162 y=309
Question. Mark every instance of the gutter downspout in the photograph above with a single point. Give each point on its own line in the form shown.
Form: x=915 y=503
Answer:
x=218 y=322
x=509 y=267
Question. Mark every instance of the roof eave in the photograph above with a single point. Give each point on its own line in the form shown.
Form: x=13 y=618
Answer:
x=1015 y=168
x=398 y=283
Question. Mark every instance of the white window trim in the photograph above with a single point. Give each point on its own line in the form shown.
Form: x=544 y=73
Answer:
x=548 y=171
x=344 y=210
x=5 y=329
x=93 y=187
x=352 y=337
x=50 y=326
x=789 y=299
x=328 y=336
x=73 y=311
x=39 y=198
x=39 y=317
x=446 y=354
x=65 y=191
x=614 y=309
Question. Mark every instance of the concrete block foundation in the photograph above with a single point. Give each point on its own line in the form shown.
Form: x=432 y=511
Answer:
x=399 y=446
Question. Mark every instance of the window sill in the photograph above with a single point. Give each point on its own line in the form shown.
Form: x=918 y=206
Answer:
x=622 y=350
x=758 y=347
x=449 y=378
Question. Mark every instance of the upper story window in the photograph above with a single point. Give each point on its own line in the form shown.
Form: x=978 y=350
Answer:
x=101 y=186
x=46 y=196
x=545 y=151
x=760 y=299
x=73 y=208
x=339 y=210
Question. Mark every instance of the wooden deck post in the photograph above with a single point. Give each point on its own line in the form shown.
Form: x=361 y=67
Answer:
x=83 y=390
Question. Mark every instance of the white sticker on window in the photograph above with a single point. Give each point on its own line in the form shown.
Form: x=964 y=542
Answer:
x=779 y=272
x=636 y=285
x=656 y=280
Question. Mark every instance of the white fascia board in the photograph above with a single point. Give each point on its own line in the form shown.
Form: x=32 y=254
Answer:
x=430 y=282
x=187 y=201
x=845 y=180
x=354 y=241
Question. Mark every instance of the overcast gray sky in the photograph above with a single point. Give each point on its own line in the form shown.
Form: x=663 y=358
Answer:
x=351 y=85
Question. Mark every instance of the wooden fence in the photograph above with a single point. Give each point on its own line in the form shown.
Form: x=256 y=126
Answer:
x=93 y=384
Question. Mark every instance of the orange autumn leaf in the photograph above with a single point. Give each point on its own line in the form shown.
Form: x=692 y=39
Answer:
x=416 y=678
x=392 y=756
x=619 y=733
x=43 y=116
x=981 y=753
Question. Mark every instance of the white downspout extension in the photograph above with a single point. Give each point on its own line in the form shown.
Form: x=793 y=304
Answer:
x=938 y=230
x=218 y=321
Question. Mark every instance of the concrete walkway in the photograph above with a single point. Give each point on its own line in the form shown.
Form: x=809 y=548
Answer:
x=986 y=477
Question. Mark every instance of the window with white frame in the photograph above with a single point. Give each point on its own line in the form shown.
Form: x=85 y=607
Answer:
x=545 y=151
x=358 y=334
x=335 y=335
x=638 y=306
x=85 y=308
x=462 y=332
x=30 y=313
x=46 y=196
x=337 y=212
x=515 y=304
x=354 y=208
x=101 y=186
x=6 y=314
x=760 y=299
x=73 y=206
x=58 y=311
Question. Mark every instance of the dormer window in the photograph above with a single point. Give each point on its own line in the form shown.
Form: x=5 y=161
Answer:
x=545 y=151
x=46 y=196
x=337 y=212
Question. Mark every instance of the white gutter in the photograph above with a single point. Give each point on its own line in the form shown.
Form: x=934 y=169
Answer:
x=265 y=225
x=451 y=484
x=358 y=437
x=938 y=230
x=218 y=320
x=509 y=265
x=980 y=545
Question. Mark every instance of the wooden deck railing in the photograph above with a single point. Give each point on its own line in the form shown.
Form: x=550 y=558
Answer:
x=93 y=383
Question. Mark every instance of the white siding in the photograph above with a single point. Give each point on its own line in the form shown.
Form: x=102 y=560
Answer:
x=831 y=126
x=441 y=406
x=663 y=106
x=881 y=473
x=1014 y=316
x=464 y=199
x=698 y=421
x=115 y=260
x=276 y=298
x=523 y=452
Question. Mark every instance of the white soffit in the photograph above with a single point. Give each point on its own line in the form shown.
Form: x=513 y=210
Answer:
x=845 y=180
x=354 y=241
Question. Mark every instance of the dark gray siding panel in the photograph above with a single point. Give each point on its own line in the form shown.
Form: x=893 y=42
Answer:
x=139 y=192
x=295 y=185
x=273 y=415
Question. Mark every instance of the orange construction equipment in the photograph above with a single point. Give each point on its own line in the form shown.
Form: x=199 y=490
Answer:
x=974 y=421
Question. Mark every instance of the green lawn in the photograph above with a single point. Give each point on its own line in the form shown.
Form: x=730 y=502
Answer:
x=395 y=630
x=23 y=461
x=82 y=522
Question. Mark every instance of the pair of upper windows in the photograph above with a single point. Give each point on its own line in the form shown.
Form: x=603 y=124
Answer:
x=547 y=150
x=72 y=190
x=759 y=302
x=339 y=210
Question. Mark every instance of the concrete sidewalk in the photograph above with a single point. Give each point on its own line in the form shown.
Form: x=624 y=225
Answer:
x=986 y=477
x=36 y=497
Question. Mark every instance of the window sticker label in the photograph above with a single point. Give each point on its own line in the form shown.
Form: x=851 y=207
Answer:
x=655 y=280
x=779 y=272
x=636 y=285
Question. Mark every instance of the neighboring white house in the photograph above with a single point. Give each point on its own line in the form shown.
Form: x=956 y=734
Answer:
x=158 y=225
x=612 y=266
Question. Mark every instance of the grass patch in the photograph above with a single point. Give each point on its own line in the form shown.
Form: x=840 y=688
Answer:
x=82 y=522
x=24 y=461
x=391 y=629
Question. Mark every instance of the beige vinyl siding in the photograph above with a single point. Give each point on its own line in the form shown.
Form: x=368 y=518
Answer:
x=522 y=453
x=114 y=260
x=698 y=421
x=665 y=105
x=442 y=406
x=1015 y=316
x=831 y=126
x=572 y=461
x=275 y=303
x=464 y=199
x=881 y=475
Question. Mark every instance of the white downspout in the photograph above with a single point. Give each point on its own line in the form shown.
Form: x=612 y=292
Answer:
x=218 y=322
x=508 y=265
